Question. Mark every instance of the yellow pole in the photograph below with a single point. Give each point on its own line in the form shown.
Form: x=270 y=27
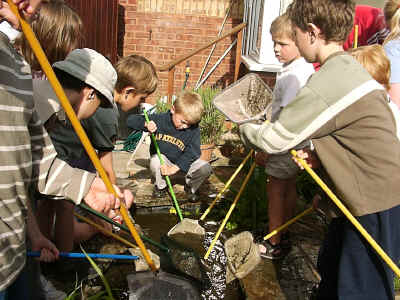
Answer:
x=275 y=231
x=230 y=211
x=355 y=36
x=227 y=184
x=349 y=216
x=44 y=63
x=105 y=231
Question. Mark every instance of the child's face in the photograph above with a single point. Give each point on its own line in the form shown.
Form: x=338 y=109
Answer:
x=130 y=100
x=179 y=120
x=285 y=49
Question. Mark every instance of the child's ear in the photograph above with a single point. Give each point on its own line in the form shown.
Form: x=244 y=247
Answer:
x=126 y=91
x=172 y=109
x=313 y=32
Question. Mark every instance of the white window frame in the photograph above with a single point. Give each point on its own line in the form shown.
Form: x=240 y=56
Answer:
x=259 y=14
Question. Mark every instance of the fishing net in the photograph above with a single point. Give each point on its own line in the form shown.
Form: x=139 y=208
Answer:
x=161 y=286
x=248 y=99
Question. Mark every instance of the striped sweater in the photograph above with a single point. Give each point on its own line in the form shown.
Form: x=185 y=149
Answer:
x=346 y=115
x=27 y=162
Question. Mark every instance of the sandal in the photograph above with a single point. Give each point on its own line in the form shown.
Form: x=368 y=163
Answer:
x=272 y=252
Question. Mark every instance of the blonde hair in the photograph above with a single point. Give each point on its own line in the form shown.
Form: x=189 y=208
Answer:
x=334 y=17
x=59 y=30
x=190 y=105
x=392 y=17
x=138 y=72
x=282 y=27
x=375 y=61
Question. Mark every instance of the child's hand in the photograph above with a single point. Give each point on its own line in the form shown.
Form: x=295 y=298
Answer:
x=167 y=170
x=310 y=157
x=151 y=126
x=48 y=251
x=261 y=158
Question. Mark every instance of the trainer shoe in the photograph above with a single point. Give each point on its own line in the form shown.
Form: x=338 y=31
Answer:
x=49 y=291
x=160 y=193
x=192 y=197
x=270 y=251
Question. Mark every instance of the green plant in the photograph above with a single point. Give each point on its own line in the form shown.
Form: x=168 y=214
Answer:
x=162 y=106
x=212 y=122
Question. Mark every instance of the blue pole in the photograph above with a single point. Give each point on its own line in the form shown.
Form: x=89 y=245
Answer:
x=91 y=255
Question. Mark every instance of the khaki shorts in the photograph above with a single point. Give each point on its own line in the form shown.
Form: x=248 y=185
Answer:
x=282 y=166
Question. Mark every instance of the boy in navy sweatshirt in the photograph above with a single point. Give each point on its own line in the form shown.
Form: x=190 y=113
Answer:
x=177 y=134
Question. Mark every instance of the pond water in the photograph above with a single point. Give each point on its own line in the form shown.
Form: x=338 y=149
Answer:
x=156 y=224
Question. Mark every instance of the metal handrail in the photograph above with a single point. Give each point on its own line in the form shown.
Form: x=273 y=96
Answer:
x=171 y=66
x=194 y=52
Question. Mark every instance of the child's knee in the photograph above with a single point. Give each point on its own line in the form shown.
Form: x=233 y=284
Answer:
x=205 y=170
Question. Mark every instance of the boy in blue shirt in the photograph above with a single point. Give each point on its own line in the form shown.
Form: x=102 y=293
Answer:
x=177 y=134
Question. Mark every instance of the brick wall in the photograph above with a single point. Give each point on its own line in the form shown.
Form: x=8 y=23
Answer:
x=163 y=37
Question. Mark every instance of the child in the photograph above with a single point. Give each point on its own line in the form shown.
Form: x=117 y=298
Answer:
x=29 y=163
x=281 y=184
x=137 y=79
x=178 y=136
x=86 y=90
x=375 y=61
x=392 y=47
x=345 y=114
x=371 y=27
x=59 y=28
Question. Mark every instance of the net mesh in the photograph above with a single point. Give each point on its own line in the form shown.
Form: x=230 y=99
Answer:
x=246 y=100
x=163 y=286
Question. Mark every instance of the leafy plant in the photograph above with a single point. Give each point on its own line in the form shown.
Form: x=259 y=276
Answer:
x=162 y=106
x=103 y=278
x=212 y=123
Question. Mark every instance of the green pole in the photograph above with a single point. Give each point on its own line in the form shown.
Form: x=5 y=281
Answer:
x=111 y=221
x=171 y=191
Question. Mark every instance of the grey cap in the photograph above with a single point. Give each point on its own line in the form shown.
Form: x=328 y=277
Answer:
x=92 y=68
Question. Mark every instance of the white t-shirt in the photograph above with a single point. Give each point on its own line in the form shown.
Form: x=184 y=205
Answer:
x=289 y=81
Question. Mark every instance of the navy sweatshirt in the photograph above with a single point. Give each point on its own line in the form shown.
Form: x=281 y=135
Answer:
x=182 y=147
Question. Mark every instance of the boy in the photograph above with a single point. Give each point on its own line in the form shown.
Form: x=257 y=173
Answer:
x=137 y=79
x=88 y=79
x=29 y=163
x=281 y=184
x=345 y=114
x=178 y=136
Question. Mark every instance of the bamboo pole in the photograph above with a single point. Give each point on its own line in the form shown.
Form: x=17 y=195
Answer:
x=230 y=211
x=44 y=63
x=280 y=228
x=227 y=184
x=348 y=215
x=355 y=36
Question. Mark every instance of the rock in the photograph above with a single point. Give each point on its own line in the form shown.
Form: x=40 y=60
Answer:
x=141 y=264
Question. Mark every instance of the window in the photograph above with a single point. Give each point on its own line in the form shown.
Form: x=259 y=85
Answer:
x=257 y=52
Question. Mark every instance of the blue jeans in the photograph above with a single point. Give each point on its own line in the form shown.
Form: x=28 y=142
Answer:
x=3 y=295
